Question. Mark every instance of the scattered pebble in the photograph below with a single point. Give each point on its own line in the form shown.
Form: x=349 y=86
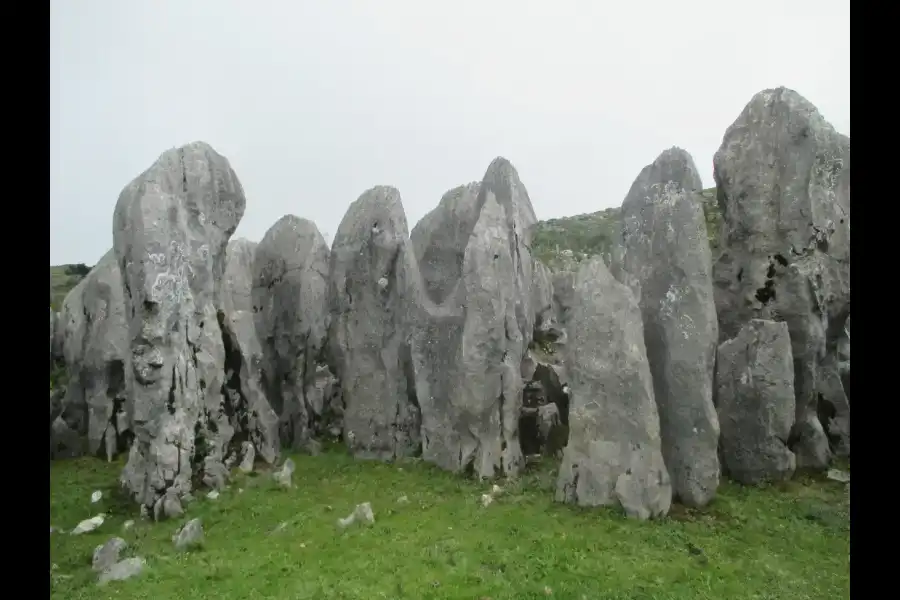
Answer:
x=496 y=490
x=402 y=500
x=240 y=490
x=213 y=495
x=128 y=524
x=302 y=545
x=486 y=500
x=96 y=497
x=89 y=525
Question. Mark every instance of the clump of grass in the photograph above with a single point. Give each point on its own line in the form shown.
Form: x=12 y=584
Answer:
x=784 y=541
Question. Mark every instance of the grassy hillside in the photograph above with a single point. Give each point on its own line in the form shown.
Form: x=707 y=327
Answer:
x=62 y=279
x=439 y=542
x=561 y=242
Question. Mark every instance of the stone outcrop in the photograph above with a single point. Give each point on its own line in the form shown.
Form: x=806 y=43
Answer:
x=252 y=415
x=371 y=284
x=290 y=285
x=756 y=404
x=469 y=337
x=93 y=338
x=238 y=281
x=668 y=257
x=614 y=454
x=783 y=177
x=440 y=238
x=171 y=227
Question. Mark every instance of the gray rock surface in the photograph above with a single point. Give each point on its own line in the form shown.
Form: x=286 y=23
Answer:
x=107 y=554
x=171 y=227
x=468 y=349
x=372 y=278
x=253 y=417
x=440 y=238
x=756 y=404
x=122 y=570
x=834 y=405
x=667 y=254
x=190 y=536
x=783 y=178
x=93 y=334
x=614 y=454
x=290 y=282
x=284 y=475
x=238 y=281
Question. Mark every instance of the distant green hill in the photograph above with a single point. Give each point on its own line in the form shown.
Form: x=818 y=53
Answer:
x=62 y=279
x=559 y=243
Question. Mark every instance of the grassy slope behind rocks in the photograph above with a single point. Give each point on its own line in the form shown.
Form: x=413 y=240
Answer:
x=592 y=234
x=786 y=542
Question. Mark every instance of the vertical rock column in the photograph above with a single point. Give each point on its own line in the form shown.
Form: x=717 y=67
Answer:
x=171 y=227
x=667 y=256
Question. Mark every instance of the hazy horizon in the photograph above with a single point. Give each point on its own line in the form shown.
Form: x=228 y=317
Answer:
x=313 y=103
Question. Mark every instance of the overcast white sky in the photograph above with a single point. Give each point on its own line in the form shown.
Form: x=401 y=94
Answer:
x=314 y=101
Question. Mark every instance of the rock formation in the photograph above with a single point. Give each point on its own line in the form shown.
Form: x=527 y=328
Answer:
x=614 y=453
x=371 y=283
x=440 y=238
x=93 y=339
x=472 y=324
x=756 y=404
x=667 y=255
x=238 y=283
x=290 y=275
x=171 y=227
x=783 y=177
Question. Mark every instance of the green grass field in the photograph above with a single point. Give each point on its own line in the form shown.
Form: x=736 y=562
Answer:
x=790 y=541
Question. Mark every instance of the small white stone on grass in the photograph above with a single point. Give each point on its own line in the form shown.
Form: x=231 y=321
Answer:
x=128 y=524
x=402 y=500
x=189 y=536
x=89 y=525
x=96 y=497
x=486 y=500
x=361 y=514
x=213 y=495
x=106 y=555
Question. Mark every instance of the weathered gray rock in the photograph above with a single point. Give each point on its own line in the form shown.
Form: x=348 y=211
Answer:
x=252 y=415
x=372 y=278
x=53 y=319
x=667 y=255
x=171 y=227
x=284 y=475
x=93 y=339
x=468 y=349
x=190 y=536
x=169 y=506
x=547 y=328
x=614 y=454
x=440 y=238
x=834 y=403
x=783 y=178
x=290 y=282
x=122 y=570
x=756 y=404
x=107 y=554
x=238 y=281
x=248 y=457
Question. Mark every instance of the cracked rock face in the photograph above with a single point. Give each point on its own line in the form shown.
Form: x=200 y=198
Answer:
x=783 y=178
x=171 y=227
x=468 y=348
x=755 y=380
x=253 y=417
x=371 y=284
x=93 y=338
x=238 y=282
x=668 y=257
x=290 y=282
x=614 y=454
